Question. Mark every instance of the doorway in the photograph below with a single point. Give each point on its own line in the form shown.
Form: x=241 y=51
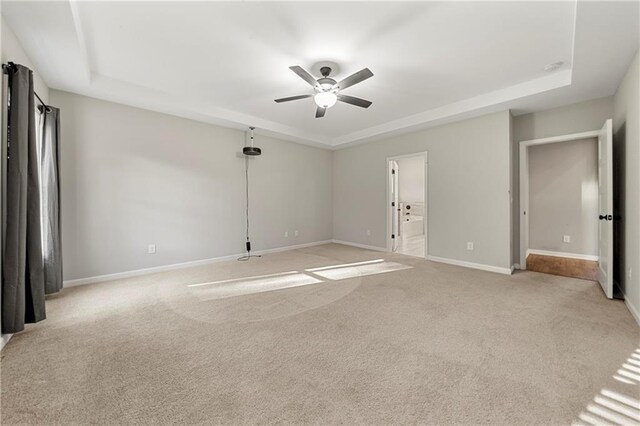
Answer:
x=407 y=204
x=559 y=250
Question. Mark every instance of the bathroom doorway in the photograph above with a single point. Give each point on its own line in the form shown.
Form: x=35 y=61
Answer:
x=407 y=204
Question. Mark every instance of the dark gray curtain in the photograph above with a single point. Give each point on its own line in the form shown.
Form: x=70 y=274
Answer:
x=22 y=268
x=48 y=125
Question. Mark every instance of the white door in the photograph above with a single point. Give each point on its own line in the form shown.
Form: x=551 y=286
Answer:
x=605 y=203
x=395 y=206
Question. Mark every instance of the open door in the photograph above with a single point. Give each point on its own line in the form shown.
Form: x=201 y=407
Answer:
x=605 y=203
x=395 y=206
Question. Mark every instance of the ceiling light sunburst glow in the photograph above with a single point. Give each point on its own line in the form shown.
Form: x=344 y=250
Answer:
x=325 y=99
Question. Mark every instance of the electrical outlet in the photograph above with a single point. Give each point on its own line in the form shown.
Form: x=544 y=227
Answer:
x=566 y=238
x=629 y=274
x=469 y=245
x=151 y=249
x=286 y=234
x=368 y=232
x=296 y=233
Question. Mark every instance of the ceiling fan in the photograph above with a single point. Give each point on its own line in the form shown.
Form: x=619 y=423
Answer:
x=327 y=90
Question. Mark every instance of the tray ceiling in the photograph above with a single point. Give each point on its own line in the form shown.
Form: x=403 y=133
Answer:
x=433 y=62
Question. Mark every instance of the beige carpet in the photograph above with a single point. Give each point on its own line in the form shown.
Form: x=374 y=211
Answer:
x=389 y=339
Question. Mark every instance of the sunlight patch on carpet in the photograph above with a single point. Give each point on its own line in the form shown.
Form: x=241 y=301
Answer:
x=279 y=281
x=615 y=407
x=360 y=269
x=252 y=285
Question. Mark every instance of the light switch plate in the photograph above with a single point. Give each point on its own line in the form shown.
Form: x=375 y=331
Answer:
x=151 y=249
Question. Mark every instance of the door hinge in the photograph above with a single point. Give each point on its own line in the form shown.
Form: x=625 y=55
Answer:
x=393 y=172
x=393 y=236
x=393 y=204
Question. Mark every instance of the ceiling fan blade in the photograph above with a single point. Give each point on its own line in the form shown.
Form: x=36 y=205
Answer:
x=293 y=98
x=355 y=101
x=320 y=112
x=356 y=78
x=304 y=75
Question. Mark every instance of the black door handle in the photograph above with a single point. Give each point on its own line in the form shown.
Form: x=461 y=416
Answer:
x=605 y=217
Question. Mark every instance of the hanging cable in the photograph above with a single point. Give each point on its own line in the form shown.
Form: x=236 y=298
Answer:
x=246 y=212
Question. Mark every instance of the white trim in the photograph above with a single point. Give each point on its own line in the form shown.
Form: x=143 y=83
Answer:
x=524 y=204
x=425 y=218
x=155 y=269
x=4 y=339
x=515 y=266
x=562 y=254
x=498 y=100
x=635 y=312
x=362 y=246
x=489 y=268
x=80 y=37
x=524 y=181
x=562 y=138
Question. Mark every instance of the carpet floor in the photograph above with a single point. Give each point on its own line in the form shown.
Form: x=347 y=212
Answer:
x=327 y=335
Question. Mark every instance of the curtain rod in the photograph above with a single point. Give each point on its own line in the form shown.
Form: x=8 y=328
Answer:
x=10 y=66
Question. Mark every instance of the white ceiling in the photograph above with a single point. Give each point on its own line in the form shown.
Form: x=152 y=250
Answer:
x=433 y=62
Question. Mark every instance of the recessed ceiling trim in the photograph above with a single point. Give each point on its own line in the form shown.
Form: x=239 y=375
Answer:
x=200 y=111
x=478 y=103
x=82 y=42
x=102 y=88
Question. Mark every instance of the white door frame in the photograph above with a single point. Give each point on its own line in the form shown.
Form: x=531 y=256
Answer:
x=394 y=201
x=425 y=217
x=524 y=183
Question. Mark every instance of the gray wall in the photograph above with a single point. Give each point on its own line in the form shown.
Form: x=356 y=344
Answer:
x=580 y=117
x=132 y=177
x=468 y=189
x=627 y=180
x=563 y=197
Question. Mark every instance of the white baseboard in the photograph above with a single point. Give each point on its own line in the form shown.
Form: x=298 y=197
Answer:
x=497 y=269
x=4 y=339
x=561 y=254
x=515 y=266
x=635 y=312
x=362 y=246
x=164 y=268
x=505 y=271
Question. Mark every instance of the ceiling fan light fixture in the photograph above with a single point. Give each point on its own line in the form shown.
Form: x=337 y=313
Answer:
x=327 y=90
x=325 y=99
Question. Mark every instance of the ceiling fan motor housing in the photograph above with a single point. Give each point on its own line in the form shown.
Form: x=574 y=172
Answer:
x=326 y=83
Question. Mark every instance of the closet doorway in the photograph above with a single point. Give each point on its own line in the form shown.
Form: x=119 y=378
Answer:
x=407 y=204
x=597 y=197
